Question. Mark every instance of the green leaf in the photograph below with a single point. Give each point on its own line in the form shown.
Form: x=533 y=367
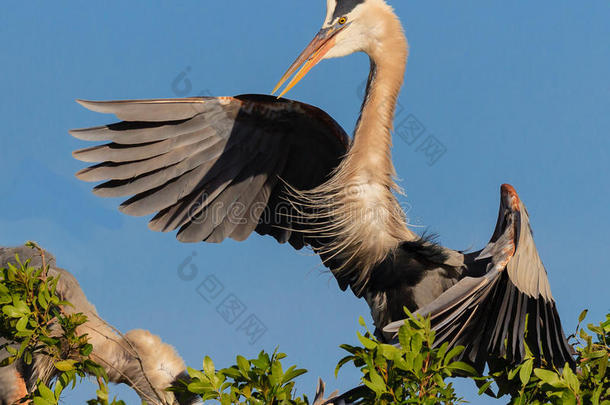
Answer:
x=603 y=366
x=418 y=363
x=11 y=311
x=208 y=396
x=262 y=362
x=21 y=306
x=7 y=361
x=513 y=372
x=404 y=337
x=232 y=372
x=195 y=373
x=465 y=367
x=549 y=377
x=442 y=350
x=244 y=365
x=65 y=365
x=102 y=394
x=568 y=398
x=484 y=387
x=42 y=299
x=582 y=315
x=526 y=371
x=22 y=324
x=86 y=350
x=597 y=394
x=46 y=393
x=42 y=401
x=293 y=373
x=366 y=342
x=416 y=343
x=277 y=373
x=571 y=378
x=376 y=383
x=388 y=351
x=208 y=366
x=438 y=379
x=597 y=354
x=342 y=362
x=200 y=387
x=453 y=353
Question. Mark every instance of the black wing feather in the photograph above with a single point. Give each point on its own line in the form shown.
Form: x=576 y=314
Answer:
x=507 y=306
x=184 y=158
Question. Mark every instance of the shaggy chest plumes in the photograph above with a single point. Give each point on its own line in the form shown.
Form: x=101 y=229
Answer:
x=356 y=211
x=355 y=226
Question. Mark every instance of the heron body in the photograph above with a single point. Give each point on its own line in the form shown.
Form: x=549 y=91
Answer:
x=138 y=359
x=214 y=168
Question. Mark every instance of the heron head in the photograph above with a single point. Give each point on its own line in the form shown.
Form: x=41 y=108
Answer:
x=350 y=26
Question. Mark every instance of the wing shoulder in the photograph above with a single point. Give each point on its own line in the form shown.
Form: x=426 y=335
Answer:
x=504 y=302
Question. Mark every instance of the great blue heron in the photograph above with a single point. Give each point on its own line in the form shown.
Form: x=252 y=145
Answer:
x=138 y=359
x=218 y=167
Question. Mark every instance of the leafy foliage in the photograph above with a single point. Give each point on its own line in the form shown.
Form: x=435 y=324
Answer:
x=33 y=320
x=34 y=323
x=413 y=373
x=416 y=372
x=589 y=384
x=259 y=381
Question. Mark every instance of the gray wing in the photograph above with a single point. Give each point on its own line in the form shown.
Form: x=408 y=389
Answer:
x=212 y=167
x=505 y=301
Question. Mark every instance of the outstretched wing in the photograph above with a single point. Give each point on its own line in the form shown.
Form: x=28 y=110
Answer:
x=212 y=167
x=505 y=301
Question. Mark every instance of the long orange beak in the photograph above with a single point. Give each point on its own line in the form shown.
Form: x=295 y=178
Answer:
x=310 y=57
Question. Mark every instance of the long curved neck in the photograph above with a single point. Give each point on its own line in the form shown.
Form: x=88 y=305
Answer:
x=373 y=137
x=361 y=215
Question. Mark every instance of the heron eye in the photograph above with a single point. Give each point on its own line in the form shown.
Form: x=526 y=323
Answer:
x=342 y=20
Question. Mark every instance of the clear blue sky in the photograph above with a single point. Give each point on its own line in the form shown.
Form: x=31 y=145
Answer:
x=516 y=93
